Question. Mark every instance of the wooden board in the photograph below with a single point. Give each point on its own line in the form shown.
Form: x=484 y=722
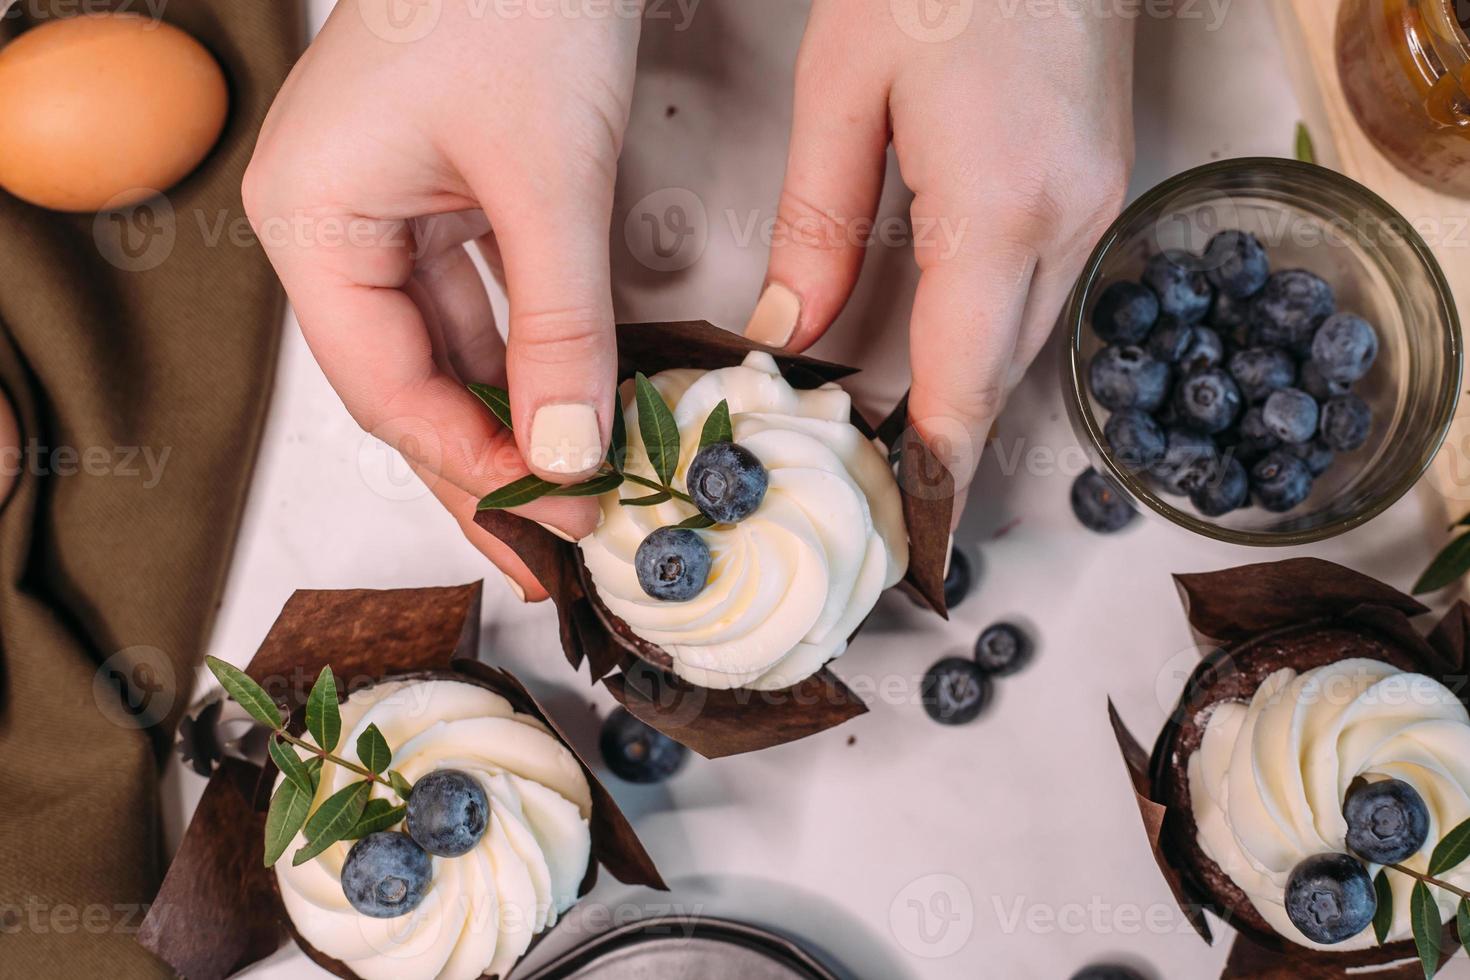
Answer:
x=1308 y=29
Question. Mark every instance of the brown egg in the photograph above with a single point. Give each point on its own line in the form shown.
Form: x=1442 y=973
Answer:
x=105 y=110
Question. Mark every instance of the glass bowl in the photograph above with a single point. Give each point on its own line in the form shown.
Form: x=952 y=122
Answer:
x=1311 y=218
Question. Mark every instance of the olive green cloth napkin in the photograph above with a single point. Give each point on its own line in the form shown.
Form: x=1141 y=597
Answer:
x=138 y=351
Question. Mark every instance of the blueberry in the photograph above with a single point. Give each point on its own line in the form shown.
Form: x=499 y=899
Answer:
x=1208 y=401
x=1256 y=440
x=1261 y=370
x=1135 y=438
x=1291 y=415
x=1236 y=264
x=1228 y=490
x=1387 y=821
x=1189 y=462
x=386 y=875
x=1170 y=339
x=1344 y=347
x=955 y=691
x=448 y=812
x=1281 y=481
x=1125 y=313
x=673 y=564
x=1127 y=377
x=1099 y=503
x=1183 y=291
x=1346 y=422
x=727 y=482
x=1319 y=386
x=1107 y=971
x=1290 y=309
x=1314 y=452
x=1330 y=898
x=1002 y=650
x=1205 y=350
x=1232 y=318
x=637 y=753
x=957 y=579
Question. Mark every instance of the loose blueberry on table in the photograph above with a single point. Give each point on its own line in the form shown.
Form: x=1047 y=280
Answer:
x=1003 y=649
x=955 y=691
x=386 y=875
x=958 y=578
x=447 y=813
x=1099 y=504
x=1330 y=898
x=1107 y=971
x=637 y=753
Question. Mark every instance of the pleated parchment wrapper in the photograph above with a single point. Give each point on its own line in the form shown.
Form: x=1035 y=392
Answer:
x=718 y=723
x=1252 y=614
x=218 y=910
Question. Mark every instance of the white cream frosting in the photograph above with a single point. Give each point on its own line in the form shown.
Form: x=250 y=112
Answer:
x=789 y=584
x=483 y=908
x=1269 y=779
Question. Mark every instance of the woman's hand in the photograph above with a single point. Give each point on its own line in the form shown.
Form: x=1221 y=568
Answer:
x=384 y=154
x=1015 y=136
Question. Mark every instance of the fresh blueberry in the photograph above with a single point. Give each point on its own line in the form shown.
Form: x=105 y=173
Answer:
x=1208 y=401
x=1290 y=414
x=1262 y=370
x=1330 y=898
x=1290 y=309
x=955 y=691
x=386 y=875
x=673 y=564
x=1183 y=291
x=448 y=812
x=1280 y=481
x=1387 y=821
x=1125 y=313
x=1344 y=347
x=1205 y=350
x=1002 y=650
x=1135 y=438
x=1255 y=439
x=637 y=753
x=1107 y=971
x=1319 y=386
x=1189 y=462
x=1346 y=422
x=957 y=579
x=1314 y=452
x=1128 y=377
x=1236 y=264
x=1227 y=491
x=727 y=482
x=1099 y=504
x=1170 y=339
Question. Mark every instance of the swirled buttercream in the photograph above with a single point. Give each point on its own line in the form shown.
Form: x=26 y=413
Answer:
x=483 y=908
x=1268 y=781
x=790 y=583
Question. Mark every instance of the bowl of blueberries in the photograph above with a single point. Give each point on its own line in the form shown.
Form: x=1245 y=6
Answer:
x=1261 y=351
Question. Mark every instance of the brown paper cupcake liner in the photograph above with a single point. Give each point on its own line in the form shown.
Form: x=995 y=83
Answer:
x=218 y=910
x=1262 y=616
x=717 y=723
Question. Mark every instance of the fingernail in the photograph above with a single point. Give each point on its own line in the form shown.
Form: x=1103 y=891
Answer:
x=515 y=587
x=775 y=316
x=559 y=532
x=565 y=439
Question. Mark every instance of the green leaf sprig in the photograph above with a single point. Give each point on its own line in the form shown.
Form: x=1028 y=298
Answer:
x=1304 y=150
x=347 y=814
x=660 y=439
x=1452 y=850
x=1450 y=565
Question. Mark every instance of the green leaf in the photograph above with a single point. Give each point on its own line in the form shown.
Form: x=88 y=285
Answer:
x=696 y=523
x=290 y=764
x=1305 y=152
x=379 y=814
x=333 y=820
x=401 y=785
x=1451 y=851
x=495 y=399
x=1383 y=915
x=596 y=486
x=717 y=427
x=663 y=496
x=617 y=450
x=660 y=434
x=283 y=821
x=248 y=694
x=1424 y=917
x=1462 y=923
x=522 y=491
x=372 y=750
x=323 y=719
x=1448 y=566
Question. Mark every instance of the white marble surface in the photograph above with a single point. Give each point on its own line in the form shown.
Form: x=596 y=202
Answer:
x=1016 y=838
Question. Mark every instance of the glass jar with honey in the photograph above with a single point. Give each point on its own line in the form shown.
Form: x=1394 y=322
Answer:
x=1405 y=69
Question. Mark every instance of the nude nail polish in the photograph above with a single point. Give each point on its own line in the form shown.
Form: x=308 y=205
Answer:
x=565 y=439
x=558 y=532
x=515 y=587
x=775 y=316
